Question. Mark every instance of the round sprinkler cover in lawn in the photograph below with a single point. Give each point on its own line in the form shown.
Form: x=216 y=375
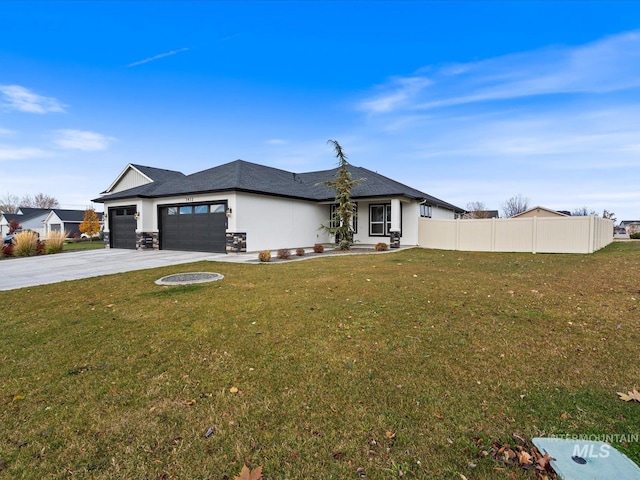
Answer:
x=189 y=278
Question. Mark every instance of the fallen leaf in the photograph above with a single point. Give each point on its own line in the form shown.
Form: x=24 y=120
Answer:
x=564 y=416
x=233 y=389
x=390 y=435
x=17 y=398
x=524 y=458
x=189 y=403
x=633 y=395
x=246 y=474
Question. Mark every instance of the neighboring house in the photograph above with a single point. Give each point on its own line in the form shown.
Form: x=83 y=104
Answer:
x=45 y=220
x=28 y=218
x=242 y=206
x=479 y=214
x=631 y=226
x=60 y=220
x=540 y=212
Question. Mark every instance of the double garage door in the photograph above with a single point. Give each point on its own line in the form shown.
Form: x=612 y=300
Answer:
x=199 y=228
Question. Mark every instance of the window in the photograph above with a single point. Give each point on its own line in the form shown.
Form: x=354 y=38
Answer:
x=186 y=210
x=425 y=211
x=380 y=220
x=201 y=209
x=333 y=223
x=172 y=211
x=217 y=208
x=376 y=219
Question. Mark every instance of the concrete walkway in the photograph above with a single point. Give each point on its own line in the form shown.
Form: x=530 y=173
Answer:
x=45 y=269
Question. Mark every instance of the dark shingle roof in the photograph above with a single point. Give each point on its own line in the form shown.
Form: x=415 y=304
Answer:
x=240 y=175
x=72 y=215
x=159 y=174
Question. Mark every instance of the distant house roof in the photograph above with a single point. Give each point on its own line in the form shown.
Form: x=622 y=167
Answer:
x=537 y=209
x=25 y=214
x=72 y=215
x=244 y=176
x=482 y=214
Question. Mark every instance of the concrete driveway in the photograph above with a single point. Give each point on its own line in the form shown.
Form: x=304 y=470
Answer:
x=41 y=270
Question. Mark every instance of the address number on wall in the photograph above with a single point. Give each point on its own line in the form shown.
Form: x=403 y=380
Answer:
x=189 y=199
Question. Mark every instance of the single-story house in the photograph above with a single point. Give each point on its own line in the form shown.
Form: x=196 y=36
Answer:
x=45 y=220
x=243 y=206
x=540 y=212
x=630 y=226
x=28 y=218
x=61 y=220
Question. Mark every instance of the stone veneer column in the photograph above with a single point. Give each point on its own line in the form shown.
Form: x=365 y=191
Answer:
x=147 y=241
x=394 y=240
x=236 y=242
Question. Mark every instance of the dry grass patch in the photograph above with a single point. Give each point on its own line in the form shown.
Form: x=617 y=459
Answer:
x=406 y=362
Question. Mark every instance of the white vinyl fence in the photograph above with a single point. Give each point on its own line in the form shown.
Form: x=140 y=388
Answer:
x=535 y=234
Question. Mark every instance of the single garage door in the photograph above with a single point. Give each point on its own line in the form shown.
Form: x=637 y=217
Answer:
x=122 y=227
x=199 y=228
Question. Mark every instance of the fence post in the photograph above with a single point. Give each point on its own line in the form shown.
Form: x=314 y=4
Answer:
x=493 y=234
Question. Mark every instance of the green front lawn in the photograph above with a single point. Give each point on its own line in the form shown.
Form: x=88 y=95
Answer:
x=407 y=364
x=85 y=245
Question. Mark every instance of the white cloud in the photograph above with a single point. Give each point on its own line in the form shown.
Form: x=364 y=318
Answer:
x=81 y=140
x=157 y=57
x=276 y=141
x=24 y=100
x=397 y=94
x=8 y=152
x=6 y=132
x=606 y=65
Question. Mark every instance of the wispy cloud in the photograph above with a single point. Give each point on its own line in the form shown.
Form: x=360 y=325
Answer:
x=9 y=152
x=6 y=132
x=81 y=140
x=398 y=93
x=157 y=57
x=276 y=141
x=606 y=65
x=22 y=99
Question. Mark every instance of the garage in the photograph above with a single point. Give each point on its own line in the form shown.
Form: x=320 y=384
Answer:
x=122 y=225
x=198 y=228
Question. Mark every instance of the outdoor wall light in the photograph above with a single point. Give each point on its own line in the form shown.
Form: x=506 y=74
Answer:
x=136 y=216
x=229 y=212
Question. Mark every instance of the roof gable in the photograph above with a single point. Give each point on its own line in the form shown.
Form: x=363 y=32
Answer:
x=539 y=208
x=139 y=175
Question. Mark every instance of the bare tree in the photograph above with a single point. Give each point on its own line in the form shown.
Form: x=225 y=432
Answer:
x=476 y=210
x=609 y=215
x=515 y=205
x=583 y=212
x=39 y=200
x=9 y=203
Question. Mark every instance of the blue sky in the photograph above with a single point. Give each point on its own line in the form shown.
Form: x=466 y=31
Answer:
x=467 y=101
